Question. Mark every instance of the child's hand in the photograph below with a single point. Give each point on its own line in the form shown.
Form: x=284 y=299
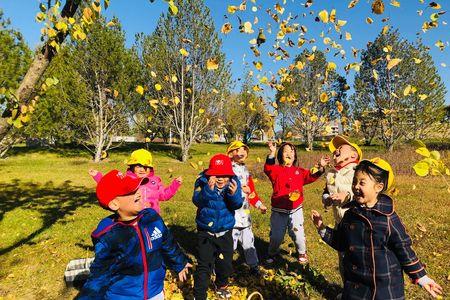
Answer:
x=430 y=286
x=339 y=198
x=246 y=189
x=182 y=276
x=93 y=172
x=263 y=209
x=317 y=219
x=179 y=179
x=212 y=182
x=233 y=187
x=272 y=148
x=324 y=161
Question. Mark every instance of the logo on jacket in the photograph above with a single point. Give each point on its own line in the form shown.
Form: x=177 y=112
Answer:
x=156 y=234
x=297 y=172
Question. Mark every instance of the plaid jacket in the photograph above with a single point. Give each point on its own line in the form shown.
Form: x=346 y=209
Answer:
x=377 y=249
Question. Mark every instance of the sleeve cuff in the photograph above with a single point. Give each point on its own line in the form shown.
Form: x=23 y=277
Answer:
x=270 y=160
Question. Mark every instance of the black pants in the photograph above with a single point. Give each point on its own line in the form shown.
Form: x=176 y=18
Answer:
x=213 y=252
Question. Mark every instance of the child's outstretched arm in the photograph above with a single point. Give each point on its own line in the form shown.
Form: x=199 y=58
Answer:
x=173 y=255
x=96 y=175
x=400 y=243
x=330 y=236
x=310 y=177
x=270 y=168
x=168 y=192
x=100 y=274
x=253 y=197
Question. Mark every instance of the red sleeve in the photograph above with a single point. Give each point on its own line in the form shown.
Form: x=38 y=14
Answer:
x=271 y=169
x=308 y=177
x=253 y=197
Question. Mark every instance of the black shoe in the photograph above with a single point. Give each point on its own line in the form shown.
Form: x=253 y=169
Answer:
x=223 y=293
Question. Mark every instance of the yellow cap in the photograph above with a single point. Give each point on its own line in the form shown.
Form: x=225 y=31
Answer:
x=340 y=140
x=236 y=145
x=142 y=157
x=384 y=165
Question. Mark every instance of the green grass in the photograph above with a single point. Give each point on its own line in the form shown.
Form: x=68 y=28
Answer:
x=48 y=209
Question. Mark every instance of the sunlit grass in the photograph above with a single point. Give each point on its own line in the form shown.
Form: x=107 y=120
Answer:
x=48 y=209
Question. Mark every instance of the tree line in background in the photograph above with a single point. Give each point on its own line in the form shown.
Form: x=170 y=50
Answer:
x=176 y=83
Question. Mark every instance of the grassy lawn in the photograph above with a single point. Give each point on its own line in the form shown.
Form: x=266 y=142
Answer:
x=48 y=209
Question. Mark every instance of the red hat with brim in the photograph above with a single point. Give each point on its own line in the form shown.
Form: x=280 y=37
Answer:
x=220 y=165
x=115 y=184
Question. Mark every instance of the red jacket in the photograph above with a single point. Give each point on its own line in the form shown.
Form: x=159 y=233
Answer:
x=286 y=180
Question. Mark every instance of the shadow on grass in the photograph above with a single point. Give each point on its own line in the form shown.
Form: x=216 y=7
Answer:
x=53 y=203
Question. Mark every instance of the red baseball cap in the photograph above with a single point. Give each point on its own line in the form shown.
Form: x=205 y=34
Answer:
x=220 y=164
x=115 y=184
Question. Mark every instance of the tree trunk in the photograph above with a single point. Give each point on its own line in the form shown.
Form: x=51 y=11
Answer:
x=37 y=68
x=184 y=152
x=309 y=140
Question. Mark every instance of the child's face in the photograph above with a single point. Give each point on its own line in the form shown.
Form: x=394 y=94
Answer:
x=365 y=189
x=129 y=206
x=141 y=171
x=288 y=155
x=344 y=154
x=222 y=181
x=238 y=155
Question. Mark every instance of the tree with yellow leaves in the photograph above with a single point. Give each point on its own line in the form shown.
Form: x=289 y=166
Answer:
x=188 y=74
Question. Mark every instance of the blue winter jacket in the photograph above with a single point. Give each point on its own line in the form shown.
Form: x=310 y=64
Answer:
x=130 y=258
x=215 y=209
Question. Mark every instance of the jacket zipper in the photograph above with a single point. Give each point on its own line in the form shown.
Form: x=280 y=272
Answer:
x=144 y=258
x=373 y=256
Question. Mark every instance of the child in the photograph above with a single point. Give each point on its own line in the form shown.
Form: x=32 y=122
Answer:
x=338 y=188
x=140 y=165
x=287 y=181
x=217 y=195
x=132 y=247
x=374 y=239
x=242 y=231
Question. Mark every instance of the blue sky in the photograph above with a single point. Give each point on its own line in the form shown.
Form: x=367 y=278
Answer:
x=141 y=16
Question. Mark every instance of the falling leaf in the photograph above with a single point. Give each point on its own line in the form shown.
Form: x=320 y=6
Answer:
x=417 y=60
x=407 y=90
x=258 y=65
x=339 y=106
x=248 y=27
x=369 y=20
x=421 y=227
x=210 y=224
x=221 y=256
x=184 y=52
x=232 y=9
x=212 y=64
x=226 y=28
x=331 y=66
x=115 y=93
x=423 y=96
x=375 y=74
x=353 y=3
x=201 y=111
x=378 y=7
x=294 y=196
x=323 y=97
x=395 y=3
x=258 y=159
x=110 y=23
x=348 y=36
x=252 y=106
x=140 y=90
x=158 y=87
x=393 y=62
x=174 y=78
x=323 y=16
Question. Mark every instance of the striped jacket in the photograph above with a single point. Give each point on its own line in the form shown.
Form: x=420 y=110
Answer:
x=377 y=249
